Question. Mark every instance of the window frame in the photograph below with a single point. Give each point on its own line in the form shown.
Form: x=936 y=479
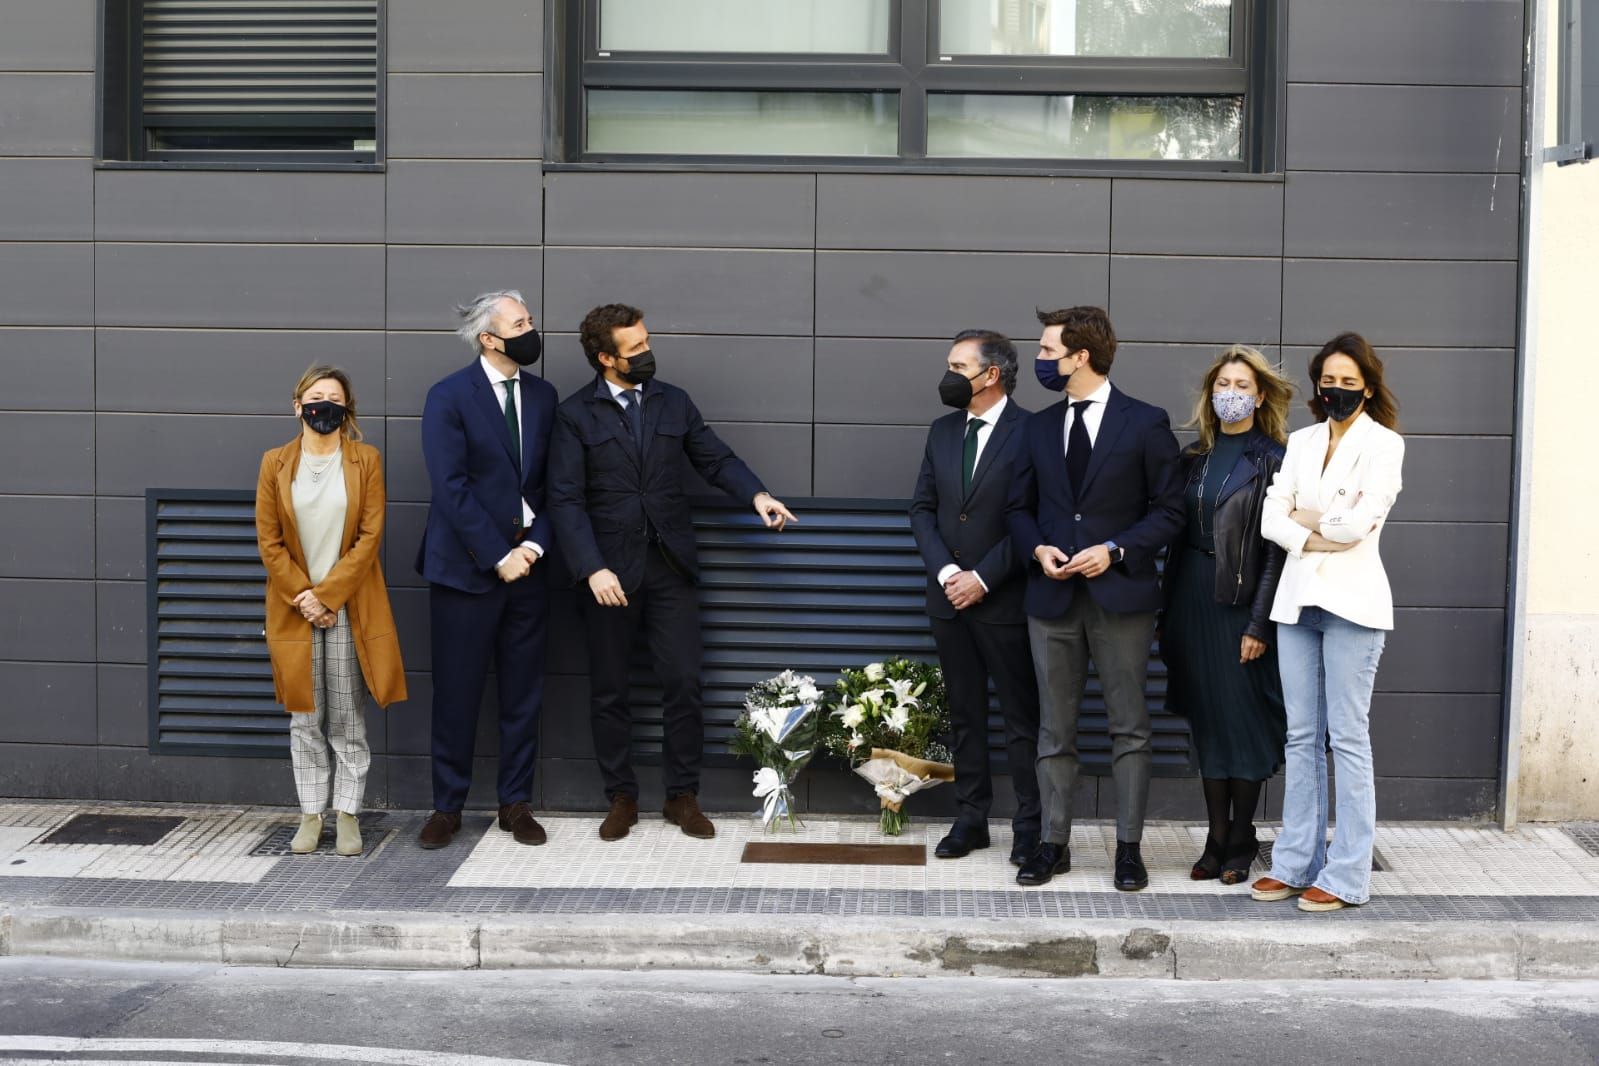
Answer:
x=912 y=68
x=121 y=127
x=1577 y=130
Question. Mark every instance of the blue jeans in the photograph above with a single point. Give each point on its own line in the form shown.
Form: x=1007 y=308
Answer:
x=1328 y=666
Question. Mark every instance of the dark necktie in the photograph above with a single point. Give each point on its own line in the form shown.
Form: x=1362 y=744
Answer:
x=969 y=455
x=510 y=420
x=1078 y=447
x=635 y=417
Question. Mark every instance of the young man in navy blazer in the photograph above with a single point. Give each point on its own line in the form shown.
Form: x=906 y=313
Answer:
x=620 y=507
x=1095 y=497
x=485 y=438
x=974 y=586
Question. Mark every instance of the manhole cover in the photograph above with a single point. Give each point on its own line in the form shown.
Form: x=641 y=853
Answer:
x=1586 y=836
x=129 y=829
x=1264 y=862
x=374 y=832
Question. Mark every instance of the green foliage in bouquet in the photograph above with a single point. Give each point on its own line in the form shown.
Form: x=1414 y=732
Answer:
x=898 y=704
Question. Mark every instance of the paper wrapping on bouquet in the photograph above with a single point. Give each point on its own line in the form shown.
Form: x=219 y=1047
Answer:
x=897 y=776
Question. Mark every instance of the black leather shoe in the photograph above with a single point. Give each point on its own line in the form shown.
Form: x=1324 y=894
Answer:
x=961 y=841
x=1022 y=848
x=1046 y=862
x=1130 y=873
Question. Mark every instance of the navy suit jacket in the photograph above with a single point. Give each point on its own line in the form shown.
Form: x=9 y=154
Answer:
x=968 y=529
x=477 y=489
x=606 y=498
x=1131 y=494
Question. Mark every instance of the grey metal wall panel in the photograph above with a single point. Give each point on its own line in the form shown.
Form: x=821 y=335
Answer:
x=1416 y=734
x=881 y=380
x=49 y=199
x=119 y=550
x=133 y=773
x=1431 y=304
x=1167 y=375
x=962 y=214
x=46 y=284
x=1402 y=216
x=54 y=368
x=731 y=379
x=49 y=35
x=437 y=201
x=780 y=454
x=119 y=621
x=425 y=283
x=1435 y=798
x=466 y=35
x=1394 y=127
x=230 y=372
x=48 y=771
x=695 y=210
x=402 y=535
x=741 y=291
x=1174 y=298
x=1447 y=564
x=48 y=703
x=239 y=286
x=1197 y=217
x=46 y=114
x=1455 y=479
x=122 y=693
x=46 y=621
x=60 y=450
x=868 y=462
x=411 y=621
x=46 y=536
x=465 y=116
x=402 y=462
x=1450 y=650
x=139 y=451
x=415 y=361
x=1405 y=42
x=937 y=294
x=226 y=206
x=1440 y=390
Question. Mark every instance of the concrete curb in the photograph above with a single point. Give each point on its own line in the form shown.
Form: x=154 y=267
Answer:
x=1263 y=950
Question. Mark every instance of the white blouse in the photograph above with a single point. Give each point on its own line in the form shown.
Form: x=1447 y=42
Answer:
x=320 y=502
x=1354 y=495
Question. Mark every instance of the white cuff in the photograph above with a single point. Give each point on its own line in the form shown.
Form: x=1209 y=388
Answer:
x=948 y=572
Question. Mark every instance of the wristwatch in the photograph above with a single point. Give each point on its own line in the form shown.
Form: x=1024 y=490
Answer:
x=1117 y=553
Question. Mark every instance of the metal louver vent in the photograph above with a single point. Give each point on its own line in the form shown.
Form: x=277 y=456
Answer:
x=210 y=678
x=842 y=588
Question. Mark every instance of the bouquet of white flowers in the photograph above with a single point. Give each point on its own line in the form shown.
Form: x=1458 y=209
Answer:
x=889 y=720
x=776 y=730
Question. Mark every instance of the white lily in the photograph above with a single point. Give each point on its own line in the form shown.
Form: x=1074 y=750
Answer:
x=874 y=671
x=902 y=692
x=899 y=718
x=853 y=716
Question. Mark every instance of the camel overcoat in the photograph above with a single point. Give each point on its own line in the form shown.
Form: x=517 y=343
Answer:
x=355 y=583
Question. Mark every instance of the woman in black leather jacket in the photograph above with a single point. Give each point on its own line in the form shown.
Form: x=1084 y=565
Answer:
x=1221 y=575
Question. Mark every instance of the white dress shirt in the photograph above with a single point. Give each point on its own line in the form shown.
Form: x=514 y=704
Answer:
x=989 y=419
x=1093 y=414
x=497 y=383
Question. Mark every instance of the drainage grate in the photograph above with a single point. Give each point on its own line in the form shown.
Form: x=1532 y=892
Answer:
x=133 y=830
x=374 y=833
x=1586 y=836
x=1379 y=865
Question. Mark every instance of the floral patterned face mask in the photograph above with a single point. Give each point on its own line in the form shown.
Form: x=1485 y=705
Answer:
x=1233 y=406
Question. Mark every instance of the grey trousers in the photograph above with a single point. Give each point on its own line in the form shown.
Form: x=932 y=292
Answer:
x=337 y=727
x=1119 y=645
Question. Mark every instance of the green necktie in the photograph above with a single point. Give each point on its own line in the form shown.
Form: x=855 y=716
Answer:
x=969 y=457
x=510 y=420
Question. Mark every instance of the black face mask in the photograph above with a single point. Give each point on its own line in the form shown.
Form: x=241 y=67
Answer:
x=955 y=390
x=640 y=368
x=324 y=416
x=524 y=349
x=1340 y=404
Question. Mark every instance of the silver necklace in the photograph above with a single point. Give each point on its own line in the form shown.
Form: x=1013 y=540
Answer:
x=1199 y=494
x=318 y=469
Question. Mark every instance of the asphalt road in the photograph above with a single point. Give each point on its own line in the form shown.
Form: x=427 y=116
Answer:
x=112 y=1013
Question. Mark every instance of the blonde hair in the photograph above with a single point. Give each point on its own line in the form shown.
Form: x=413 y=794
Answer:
x=351 y=430
x=1271 y=417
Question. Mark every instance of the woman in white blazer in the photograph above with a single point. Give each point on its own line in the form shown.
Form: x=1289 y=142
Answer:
x=1333 y=609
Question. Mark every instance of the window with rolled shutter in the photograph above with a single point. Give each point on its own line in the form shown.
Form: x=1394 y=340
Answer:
x=255 y=80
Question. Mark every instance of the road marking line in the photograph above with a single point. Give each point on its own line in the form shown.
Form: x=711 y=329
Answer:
x=342 y=1052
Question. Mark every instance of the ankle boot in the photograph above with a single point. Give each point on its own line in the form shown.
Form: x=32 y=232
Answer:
x=348 y=840
x=310 y=833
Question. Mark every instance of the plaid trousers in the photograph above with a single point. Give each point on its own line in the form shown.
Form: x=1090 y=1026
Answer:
x=338 y=724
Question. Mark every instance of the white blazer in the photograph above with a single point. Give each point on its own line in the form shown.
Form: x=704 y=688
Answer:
x=1354 y=494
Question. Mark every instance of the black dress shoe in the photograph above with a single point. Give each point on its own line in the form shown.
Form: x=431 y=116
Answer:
x=1022 y=848
x=1130 y=873
x=1046 y=862
x=961 y=841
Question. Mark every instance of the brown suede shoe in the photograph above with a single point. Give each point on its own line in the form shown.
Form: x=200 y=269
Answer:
x=518 y=820
x=440 y=829
x=684 y=811
x=622 y=817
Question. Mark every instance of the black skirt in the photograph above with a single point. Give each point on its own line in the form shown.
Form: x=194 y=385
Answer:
x=1234 y=710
